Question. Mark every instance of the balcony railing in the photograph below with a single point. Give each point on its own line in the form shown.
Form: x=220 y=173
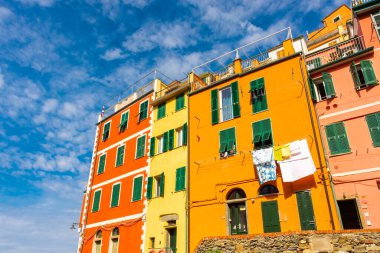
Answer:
x=334 y=53
x=356 y=3
x=256 y=61
x=172 y=88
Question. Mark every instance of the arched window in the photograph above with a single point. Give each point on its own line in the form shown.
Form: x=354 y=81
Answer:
x=268 y=189
x=114 y=245
x=97 y=246
x=236 y=194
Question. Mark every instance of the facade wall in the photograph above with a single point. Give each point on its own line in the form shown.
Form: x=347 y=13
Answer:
x=128 y=214
x=172 y=203
x=212 y=178
x=367 y=29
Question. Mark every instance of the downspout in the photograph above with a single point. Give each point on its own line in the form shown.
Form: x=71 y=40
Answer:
x=316 y=143
x=187 y=230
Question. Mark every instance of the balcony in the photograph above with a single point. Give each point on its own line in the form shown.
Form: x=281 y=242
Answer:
x=356 y=3
x=171 y=90
x=364 y=5
x=334 y=53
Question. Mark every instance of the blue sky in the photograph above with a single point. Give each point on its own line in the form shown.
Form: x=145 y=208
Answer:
x=61 y=60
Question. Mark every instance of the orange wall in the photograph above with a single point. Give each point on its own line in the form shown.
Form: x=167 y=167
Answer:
x=368 y=31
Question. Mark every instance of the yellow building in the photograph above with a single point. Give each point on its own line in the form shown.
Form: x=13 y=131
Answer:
x=336 y=28
x=258 y=103
x=165 y=222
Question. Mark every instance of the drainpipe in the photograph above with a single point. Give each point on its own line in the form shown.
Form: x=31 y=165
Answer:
x=316 y=143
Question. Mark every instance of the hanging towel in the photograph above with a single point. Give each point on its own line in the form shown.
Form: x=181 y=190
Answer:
x=277 y=151
x=299 y=165
x=285 y=151
x=265 y=164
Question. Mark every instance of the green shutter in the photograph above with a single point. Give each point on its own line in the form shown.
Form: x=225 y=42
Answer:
x=317 y=62
x=312 y=90
x=124 y=121
x=337 y=138
x=102 y=162
x=342 y=138
x=257 y=132
x=331 y=139
x=143 y=110
x=223 y=141
x=166 y=142
x=231 y=139
x=120 y=156
x=149 y=188
x=96 y=201
x=271 y=219
x=355 y=75
x=369 y=74
x=180 y=179
x=259 y=102
x=180 y=102
x=329 y=86
x=162 y=185
x=184 y=134
x=305 y=210
x=214 y=107
x=373 y=122
x=235 y=99
x=106 y=131
x=171 y=139
x=140 y=147
x=267 y=130
x=115 y=195
x=137 y=188
x=152 y=146
x=161 y=111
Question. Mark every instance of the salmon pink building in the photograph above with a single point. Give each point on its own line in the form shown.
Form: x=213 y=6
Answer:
x=344 y=80
x=114 y=202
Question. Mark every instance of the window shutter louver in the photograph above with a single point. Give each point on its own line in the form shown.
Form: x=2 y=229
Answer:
x=106 y=131
x=152 y=146
x=331 y=139
x=231 y=139
x=342 y=138
x=180 y=179
x=171 y=139
x=137 y=187
x=373 y=122
x=115 y=195
x=235 y=100
x=120 y=156
x=329 y=86
x=223 y=138
x=180 y=102
x=369 y=74
x=312 y=90
x=166 y=142
x=184 y=134
x=149 y=188
x=355 y=75
x=162 y=185
x=102 y=161
x=214 y=107
x=96 y=201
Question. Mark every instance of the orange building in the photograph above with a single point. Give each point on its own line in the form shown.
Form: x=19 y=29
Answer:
x=114 y=202
x=257 y=104
x=347 y=95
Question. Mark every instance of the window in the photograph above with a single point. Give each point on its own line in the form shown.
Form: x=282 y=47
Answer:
x=161 y=111
x=378 y=184
x=180 y=176
x=268 y=189
x=179 y=133
x=262 y=134
x=137 y=188
x=140 y=149
x=236 y=194
x=258 y=96
x=324 y=87
x=160 y=144
x=157 y=183
x=373 y=122
x=96 y=248
x=180 y=102
x=124 y=121
x=152 y=146
x=115 y=195
x=376 y=23
x=143 y=114
x=152 y=242
x=106 y=131
x=337 y=139
x=120 y=156
x=225 y=103
x=363 y=74
x=336 y=19
x=96 y=201
x=227 y=142
x=114 y=241
x=102 y=164
x=237 y=212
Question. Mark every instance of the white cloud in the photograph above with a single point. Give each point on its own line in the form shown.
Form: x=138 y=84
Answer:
x=137 y=3
x=4 y=13
x=42 y=3
x=113 y=54
x=164 y=35
x=49 y=105
x=2 y=82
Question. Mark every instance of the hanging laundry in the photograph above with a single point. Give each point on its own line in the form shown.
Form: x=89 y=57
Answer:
x=285 y=151
x=265 y=164
x=299 y=165
x=281 y=152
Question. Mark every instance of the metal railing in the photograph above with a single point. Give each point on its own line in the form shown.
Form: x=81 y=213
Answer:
x=334 y=53
x=355 y=3
x=256 y=61
x=169 y=89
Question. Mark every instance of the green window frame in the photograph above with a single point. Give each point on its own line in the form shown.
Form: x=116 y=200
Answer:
x=328 y=84
x=363 y=74
x=337 y=138
x=124 y=121
x=373 y=123
x=120 y=156
x=166 y=142
x=152 y=146
x=137 y=188
x=184 y=134
x=106 y=131
x=171 y=139
x=227 y=141
x=140 y=146
x=96 y=201
x=115 y=195
x=262 y=134
x=161 y=186
x=258 y=95
x=143 y=113
x=180 y=177
x=215 y=103
x=161 y=111
x=180 y=102
x=312 y=90
x=101 y=164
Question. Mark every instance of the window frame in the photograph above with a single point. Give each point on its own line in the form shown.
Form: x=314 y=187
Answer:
x=179 y=134
x=118 y=197
x=377 y=28
x=264 y=95
x=161 y=111
x=93 y=201
x=140 y=111
x=157 y=186
x=339 y=18
x=220 y=144
x=221 y=118
x=104 y=165
x=121 y=128
x=160 y=144
x=339 y=151
x=272 y=135
x=117 y=156
x=180 y=102
x=137 y=146
x=358 y=75
x=377 y=117
x=133 y=187
x=109 y=130
x=178 y=186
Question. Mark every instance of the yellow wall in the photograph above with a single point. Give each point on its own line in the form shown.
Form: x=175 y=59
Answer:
x=212 y=178
x=172 y=202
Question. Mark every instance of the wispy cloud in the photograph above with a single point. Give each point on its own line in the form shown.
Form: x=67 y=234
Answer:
x=43 y=3
x=113 y=54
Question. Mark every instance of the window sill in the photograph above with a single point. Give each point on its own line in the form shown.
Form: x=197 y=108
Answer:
x=136 y=200
x=98 y=174
x=161 y=118
x=141 y=120
x=346 y=153
x=226 y=120
x=180 y=109
x=365 y=86
x=254 y=113
x=114 y=206
x=139 y=157
x=182 y=190
x=119 y=165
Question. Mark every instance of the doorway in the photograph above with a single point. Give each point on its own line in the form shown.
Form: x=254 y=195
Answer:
x=238 y=218
x=349 y=213
x=306 y=210
x=171 y=242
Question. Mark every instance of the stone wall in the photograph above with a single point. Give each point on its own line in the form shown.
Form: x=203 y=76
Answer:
x=295 y=242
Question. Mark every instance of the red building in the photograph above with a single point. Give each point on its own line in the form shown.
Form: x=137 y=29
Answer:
x=114 y=203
